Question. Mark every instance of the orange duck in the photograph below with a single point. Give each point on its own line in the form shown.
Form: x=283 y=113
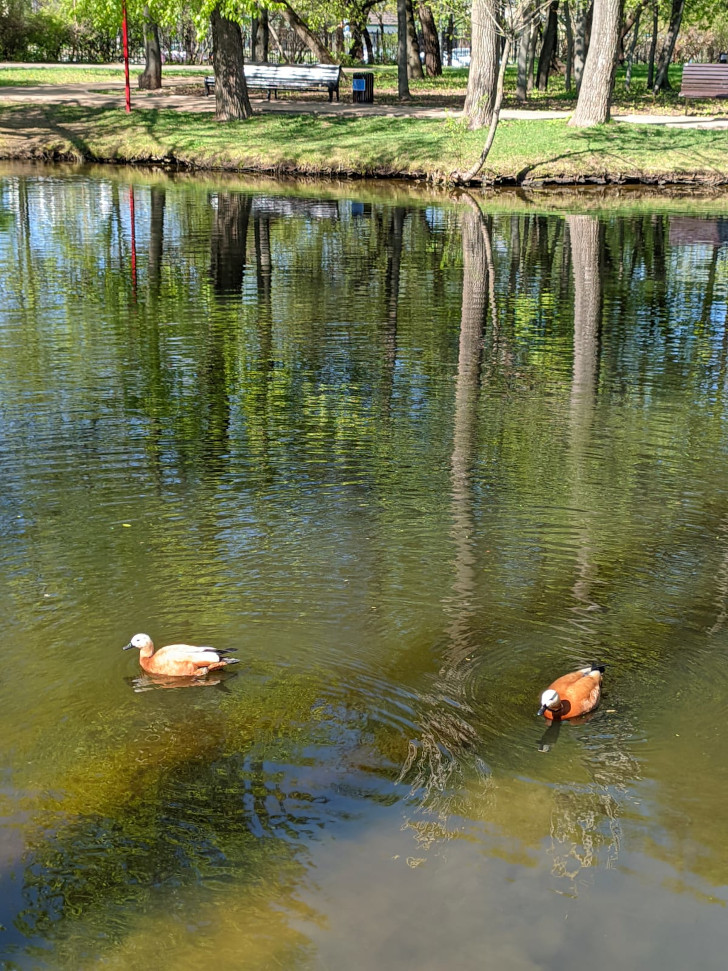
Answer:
x=178 y=660
x=573 y=694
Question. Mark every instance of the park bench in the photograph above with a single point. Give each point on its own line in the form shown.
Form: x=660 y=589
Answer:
x=288 y=77
x=704 y=81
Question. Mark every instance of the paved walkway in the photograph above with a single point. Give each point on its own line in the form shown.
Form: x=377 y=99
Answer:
x=111 y=93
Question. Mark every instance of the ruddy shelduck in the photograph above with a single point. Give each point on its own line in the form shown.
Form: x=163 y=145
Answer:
x=178 y=660
x=573 y=694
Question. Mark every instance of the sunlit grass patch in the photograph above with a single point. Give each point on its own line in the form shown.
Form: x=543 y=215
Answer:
x=524 y=151
x=69 y=74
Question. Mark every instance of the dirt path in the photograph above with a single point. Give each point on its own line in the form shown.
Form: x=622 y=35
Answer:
x=187 y=94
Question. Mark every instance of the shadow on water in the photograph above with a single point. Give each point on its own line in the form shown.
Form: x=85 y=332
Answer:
x=413 y=460
x=153 y=682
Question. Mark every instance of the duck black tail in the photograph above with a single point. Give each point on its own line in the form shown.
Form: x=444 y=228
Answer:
x=598 y=667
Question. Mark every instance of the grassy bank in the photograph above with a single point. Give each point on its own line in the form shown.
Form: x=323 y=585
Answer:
x=525 y=151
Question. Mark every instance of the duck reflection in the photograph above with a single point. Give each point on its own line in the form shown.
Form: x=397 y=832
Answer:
x=154 y=682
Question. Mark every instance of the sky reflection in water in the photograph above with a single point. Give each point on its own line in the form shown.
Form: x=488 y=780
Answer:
x=412 y=456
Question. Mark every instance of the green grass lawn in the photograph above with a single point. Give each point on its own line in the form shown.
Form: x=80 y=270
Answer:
x=525 y=151
x=453 y=84
x=447 y=91
x=68 y=74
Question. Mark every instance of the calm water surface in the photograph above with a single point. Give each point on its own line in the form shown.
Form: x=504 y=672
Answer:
x=412 y=456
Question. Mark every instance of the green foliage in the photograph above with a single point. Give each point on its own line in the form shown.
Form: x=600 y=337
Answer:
x=32 y=34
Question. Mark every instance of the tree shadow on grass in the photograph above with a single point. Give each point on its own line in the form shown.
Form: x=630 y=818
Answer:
x=31 y=126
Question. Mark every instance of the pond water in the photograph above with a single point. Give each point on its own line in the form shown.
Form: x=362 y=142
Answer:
x=412 y=456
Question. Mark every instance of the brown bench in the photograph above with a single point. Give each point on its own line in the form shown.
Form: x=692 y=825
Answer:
x=288 y=77
x=704 y=81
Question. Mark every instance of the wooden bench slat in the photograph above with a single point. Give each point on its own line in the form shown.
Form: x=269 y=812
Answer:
x=288 y=76
x=704 y=81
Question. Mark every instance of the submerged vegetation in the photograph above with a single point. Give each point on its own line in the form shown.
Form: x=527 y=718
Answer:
x=410 y=453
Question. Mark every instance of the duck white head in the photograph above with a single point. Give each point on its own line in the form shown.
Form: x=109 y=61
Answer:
x=142 y=642
x=550 y=700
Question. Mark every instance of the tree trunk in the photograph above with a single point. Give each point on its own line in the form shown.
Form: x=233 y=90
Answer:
x=630 y=56
x=305 y=35
x=581 y=34
x=630 y=21
x=569 y=46
x=662 y=81
x=449 y=39
x=524 y=82
x=549 y=46
x=231 y=91
x=277 y=41
x=498 y=96
x=151 y=77
x=260 y=37
x=653 y=45
x=339 y=40
x=414 y=64
x=356 y=50
x=522 y=61
x=484 y=49
x=368 y=45
x=595 y=93
x=433 y=58
x=189 y=41
x=531 y=55
x=402 y=76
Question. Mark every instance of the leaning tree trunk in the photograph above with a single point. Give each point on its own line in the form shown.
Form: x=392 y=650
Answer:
x=414 y=64
x=484 y=48
x=368 y=44
x=305 y=35
x=595 y=93
x=653 y=44
x=549 y=46
x=282 y=53
x=630 y=56
x=495 y=115
x=403 y=90
x=231 y=91
x=662 y=81
x=433 y=58
x=582 y=23
x=449 y=38
x=569 y=46
x=151 y=77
